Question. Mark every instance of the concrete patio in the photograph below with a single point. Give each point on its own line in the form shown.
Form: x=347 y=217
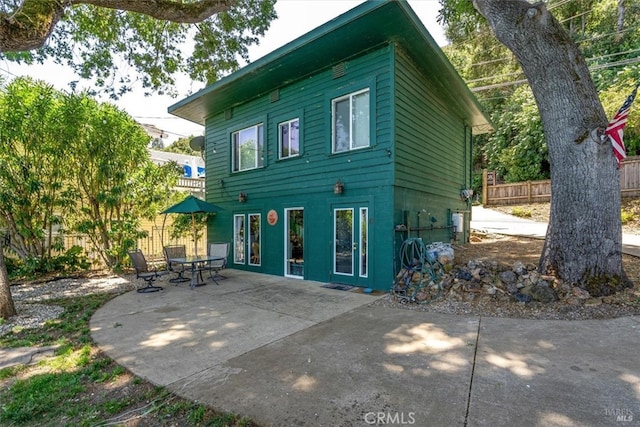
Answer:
x=287 y=352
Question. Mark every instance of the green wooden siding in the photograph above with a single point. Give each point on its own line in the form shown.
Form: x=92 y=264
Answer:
x=307 y=181
x=414 y=169
x=432 y=153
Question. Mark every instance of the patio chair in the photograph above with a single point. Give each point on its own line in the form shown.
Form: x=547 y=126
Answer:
x=145 y=272
x=177 y=251
x=255 y=253
x=214 y=267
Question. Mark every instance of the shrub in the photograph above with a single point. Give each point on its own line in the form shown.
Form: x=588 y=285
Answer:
x=12 y=264
x=627 y=216
x=521 y=212
x=73 y=259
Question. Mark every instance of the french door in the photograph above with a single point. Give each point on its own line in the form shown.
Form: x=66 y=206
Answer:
x=294 y=242
x=247 y=241
x=351 y=245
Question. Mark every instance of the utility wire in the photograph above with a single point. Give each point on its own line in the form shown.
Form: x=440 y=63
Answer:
x=511 y=83
x=575 y=16
x=613 y=54
x=592 y=68
x=594 y=38
x=555 y=5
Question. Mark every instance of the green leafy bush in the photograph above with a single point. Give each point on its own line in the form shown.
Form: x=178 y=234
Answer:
x=627 y=216
x=521 y=212
x=12 y=265
x=73 y=259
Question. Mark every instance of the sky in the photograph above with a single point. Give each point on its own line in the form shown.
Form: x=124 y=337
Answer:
x=295 y=18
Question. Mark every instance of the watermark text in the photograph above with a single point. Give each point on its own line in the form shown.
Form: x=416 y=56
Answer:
x=623 y=415
x=390 y=418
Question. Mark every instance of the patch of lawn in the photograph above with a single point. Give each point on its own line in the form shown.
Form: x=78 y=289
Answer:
x=38 y=398
x=71 y=327
x=80 y=386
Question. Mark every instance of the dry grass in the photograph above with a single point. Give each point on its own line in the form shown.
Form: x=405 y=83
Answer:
x=508 y=249
x=630 y=212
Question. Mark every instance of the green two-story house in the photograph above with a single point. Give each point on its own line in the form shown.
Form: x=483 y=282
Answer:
x=330 y=151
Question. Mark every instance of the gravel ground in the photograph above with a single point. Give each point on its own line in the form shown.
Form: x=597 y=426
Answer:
x=483 y=305
x=488 y=296
x=29 y=298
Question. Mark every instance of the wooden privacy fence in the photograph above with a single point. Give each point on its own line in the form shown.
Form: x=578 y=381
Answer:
x=630 y=177
x=150 y=245
x=494 y=194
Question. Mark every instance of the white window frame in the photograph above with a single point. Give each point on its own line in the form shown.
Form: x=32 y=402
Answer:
x=287 y=242
x=252 y=237
x=281 y=143
x=351 y=125
x=239 y=239
x=363 y=245
x=258 y=147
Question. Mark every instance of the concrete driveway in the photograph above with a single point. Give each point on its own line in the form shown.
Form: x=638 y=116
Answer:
x=493 y=221
x=290 y=353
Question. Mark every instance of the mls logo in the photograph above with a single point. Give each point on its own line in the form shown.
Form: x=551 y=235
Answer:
x=622 y=415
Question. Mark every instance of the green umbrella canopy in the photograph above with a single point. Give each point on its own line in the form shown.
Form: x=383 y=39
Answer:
x=192 y=205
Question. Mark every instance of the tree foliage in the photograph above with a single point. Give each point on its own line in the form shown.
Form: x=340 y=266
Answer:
x=181 y=146
x=99 y=39
x=190 y=226
x=114 y=180
x=583 y=245
x=608 y=34
x=31 y=176
x=517 y=150
x=156 y=144
x=69 y=163
x=110 y=41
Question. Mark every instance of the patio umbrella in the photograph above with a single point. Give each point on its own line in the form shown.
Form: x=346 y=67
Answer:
x=192 y=205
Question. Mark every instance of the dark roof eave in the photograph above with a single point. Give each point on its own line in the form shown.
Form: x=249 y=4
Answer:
x=394 y=21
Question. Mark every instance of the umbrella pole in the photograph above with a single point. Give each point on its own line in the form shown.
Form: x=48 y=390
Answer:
x=195 y=234
x=162 y=231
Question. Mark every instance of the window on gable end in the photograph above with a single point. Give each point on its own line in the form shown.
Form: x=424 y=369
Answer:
x=248 y=147
x=289 y=139
x=350 y=121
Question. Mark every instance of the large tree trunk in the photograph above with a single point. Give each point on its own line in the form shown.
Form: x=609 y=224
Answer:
x=583 y=245
x=7 y=308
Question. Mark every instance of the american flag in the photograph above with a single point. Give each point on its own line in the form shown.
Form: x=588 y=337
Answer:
x=617 y=124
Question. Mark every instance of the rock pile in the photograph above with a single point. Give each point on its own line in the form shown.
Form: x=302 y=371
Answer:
x=519 y=282
x=480 y=280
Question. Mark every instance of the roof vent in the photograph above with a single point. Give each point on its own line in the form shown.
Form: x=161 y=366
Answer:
x=274 y=95
x=339 y=70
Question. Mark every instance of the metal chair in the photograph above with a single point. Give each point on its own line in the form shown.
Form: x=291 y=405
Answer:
x=255 y=253
x=177 y=251
x=143 y=271
x=221 y=250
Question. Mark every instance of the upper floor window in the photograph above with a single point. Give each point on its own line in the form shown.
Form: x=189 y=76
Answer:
x=248 y=145
x=350 y=121
x=289 y=138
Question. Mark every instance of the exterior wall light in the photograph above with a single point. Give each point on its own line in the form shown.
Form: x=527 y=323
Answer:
x=242 y=197
x=338 y=188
